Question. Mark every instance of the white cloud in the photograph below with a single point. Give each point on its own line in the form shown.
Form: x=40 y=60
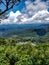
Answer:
x=13 y=16
x=36 y=18
x=33 y=11
x=47 y=19
x=33 y=7
x=40 y=15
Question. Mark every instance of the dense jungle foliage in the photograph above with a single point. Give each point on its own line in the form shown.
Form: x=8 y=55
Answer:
x=12 y=52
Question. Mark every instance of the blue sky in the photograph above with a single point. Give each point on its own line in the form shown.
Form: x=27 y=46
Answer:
x=28 y=10
x=20 y=6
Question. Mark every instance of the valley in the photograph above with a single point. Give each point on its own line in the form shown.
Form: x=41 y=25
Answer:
x=26 y=32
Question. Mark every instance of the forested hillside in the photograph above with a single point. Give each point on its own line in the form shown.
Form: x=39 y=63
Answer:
x=15 y=51
x=24 y=54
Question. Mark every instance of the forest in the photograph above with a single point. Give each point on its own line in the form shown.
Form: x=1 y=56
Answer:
x=25 y=53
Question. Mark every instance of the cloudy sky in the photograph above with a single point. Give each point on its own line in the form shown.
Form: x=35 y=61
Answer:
x=29 y=10
x=32 y=5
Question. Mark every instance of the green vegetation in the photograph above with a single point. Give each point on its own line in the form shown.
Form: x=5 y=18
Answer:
x=14 y=53
x=38 y=35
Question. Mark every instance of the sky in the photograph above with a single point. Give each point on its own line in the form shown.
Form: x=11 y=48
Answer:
x=15 y=8
x=19 y=7
x=29 y=11
x=23 y=5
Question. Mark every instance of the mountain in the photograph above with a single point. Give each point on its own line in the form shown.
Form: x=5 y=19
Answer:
x=9 y=30
x=20 y=18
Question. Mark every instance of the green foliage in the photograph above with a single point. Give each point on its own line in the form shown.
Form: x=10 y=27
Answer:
x=14 y=53
x=25 y=60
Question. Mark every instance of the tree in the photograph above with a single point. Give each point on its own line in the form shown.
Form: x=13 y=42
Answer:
x=8 y=4
x=25 y=60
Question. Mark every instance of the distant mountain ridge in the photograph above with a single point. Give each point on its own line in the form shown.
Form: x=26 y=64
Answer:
x=22 y=29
